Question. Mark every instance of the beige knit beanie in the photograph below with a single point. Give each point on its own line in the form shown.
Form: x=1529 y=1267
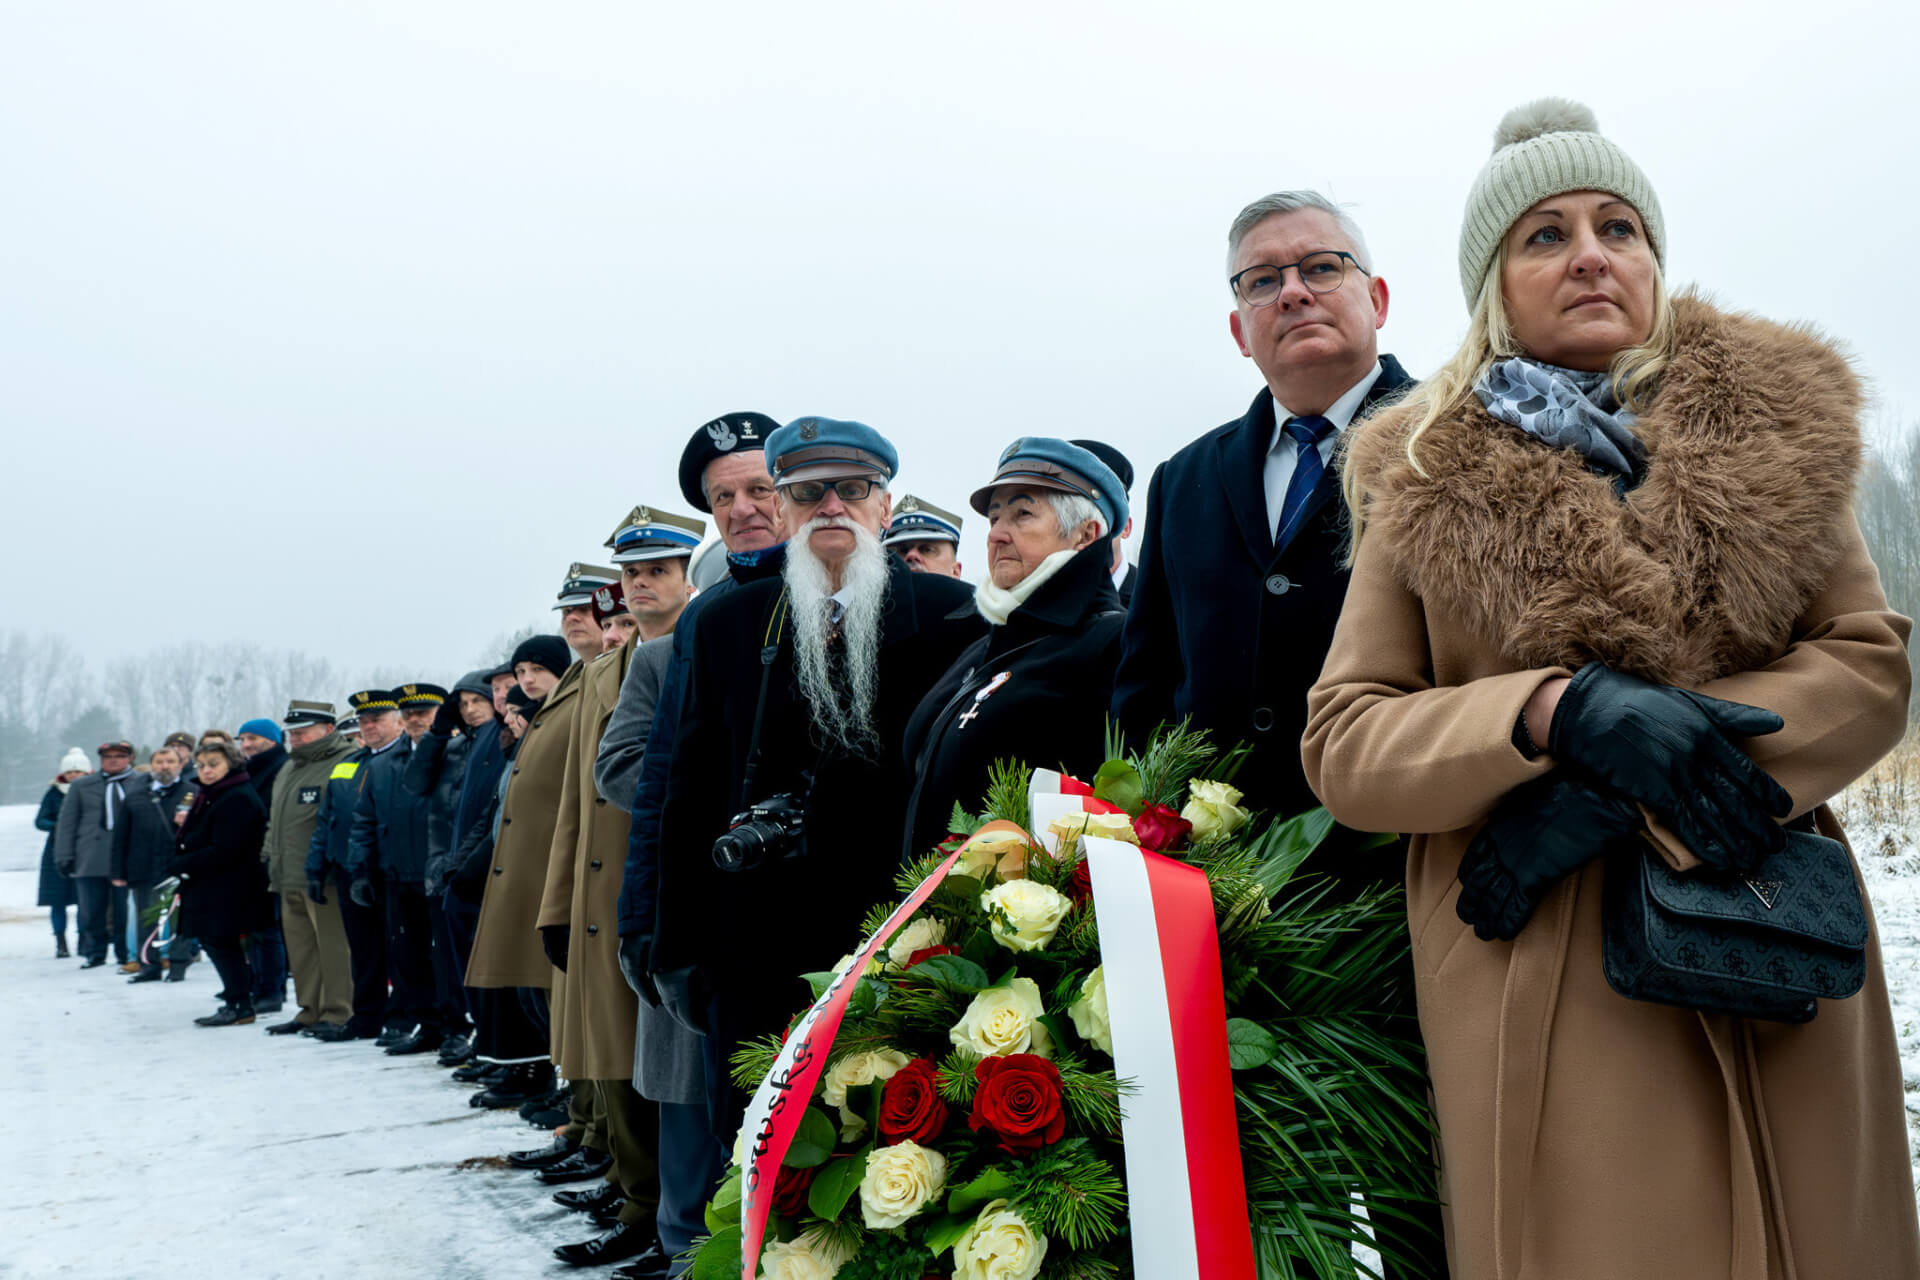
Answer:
x=1542 y=149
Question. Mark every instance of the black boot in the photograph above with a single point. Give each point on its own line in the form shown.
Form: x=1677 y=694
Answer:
x=291 y=1027
x=581 y=1165
x=540 y=1157
x=91 y=963
x=227 y=1016
x=456 y=1051
x=393 y=1035
x=177 y=971
x=523 y=1080
x=478 y=1072
x=654 y=1264
x=147 y=974
x=342 y=1031
x=425 y=1039
x=617 y=1245
x=60 y=951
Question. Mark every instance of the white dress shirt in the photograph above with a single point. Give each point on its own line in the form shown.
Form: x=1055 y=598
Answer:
x=1283 y=452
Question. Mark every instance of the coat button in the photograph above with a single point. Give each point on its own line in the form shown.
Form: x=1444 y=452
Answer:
x=1263 y=718
x=592 y=929
x=516 y=768
x=1279 y=584
x=599 y=799
x=498 y=870
x=505 y=821
x=595 y=864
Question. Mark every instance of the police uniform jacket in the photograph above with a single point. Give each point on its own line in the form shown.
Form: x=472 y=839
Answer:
x=506 y=940
x=749 y=934
x=1226 y=627
x=226 y=891
x=144 y=857
x=291 y=818
x=389 y=835
x=327 y=849
x=1033 y=689
x=593 y=1010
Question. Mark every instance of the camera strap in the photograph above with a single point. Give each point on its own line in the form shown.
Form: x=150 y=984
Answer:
x=770 y=641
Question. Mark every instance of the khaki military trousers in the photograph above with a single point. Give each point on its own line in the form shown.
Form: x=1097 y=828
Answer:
x=318 y=957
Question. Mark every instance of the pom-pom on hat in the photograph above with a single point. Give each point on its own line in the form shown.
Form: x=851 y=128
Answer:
x=1546 y=148
x=75 y=761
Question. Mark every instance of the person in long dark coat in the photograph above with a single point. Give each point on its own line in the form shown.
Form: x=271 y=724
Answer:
x=223 y=884
x=1038 y=681
x=56 y=890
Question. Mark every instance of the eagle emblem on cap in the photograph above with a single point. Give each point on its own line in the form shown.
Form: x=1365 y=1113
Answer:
x=911 y=504
x=809 y=429
x=722 y=435
x=1014 y=449
x=604 y=598
x=410 y=689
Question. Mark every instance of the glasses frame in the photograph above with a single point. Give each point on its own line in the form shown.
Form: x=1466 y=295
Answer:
x=1347 y=260
x=791 y=490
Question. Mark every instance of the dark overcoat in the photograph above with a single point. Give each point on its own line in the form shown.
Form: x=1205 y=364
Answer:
x=225 y=894
x=389 y=834
x=56 y=890
x=147 y=855
x=434 y=771
x=1034 y=689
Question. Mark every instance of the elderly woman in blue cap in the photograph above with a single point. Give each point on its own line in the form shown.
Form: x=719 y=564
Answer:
x=1035 y=687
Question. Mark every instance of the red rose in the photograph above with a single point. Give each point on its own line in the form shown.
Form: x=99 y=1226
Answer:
x=790 y=1191
x=1160 y=828
x=1019 y=1101
x=928 y=953
x=1080 y=882
x=911 y=1109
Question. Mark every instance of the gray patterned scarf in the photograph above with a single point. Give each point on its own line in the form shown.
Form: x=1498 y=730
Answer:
x=1564 y=408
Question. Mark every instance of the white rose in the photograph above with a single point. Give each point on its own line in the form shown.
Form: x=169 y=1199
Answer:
x=1024 y=913
x=845 y=962
x=851 y=1071
x=1214 y=809
x=998 y=1246
x=810 y=1256
x=1089 y=1012
x=1004 y=1020
x=921 y=932
x=1112 y=826
x=1002 y=853
x=901 y=1180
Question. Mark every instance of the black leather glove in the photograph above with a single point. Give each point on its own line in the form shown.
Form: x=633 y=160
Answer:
x=362 y=890
x=317 y=890
x=553 y=940
x=1543 y=830
x=469 y=889
x=447 y=718
x=683 y=996
x=633 y=967
x=1673 y=752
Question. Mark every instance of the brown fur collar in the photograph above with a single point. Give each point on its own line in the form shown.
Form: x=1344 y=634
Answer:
x=1754 y=442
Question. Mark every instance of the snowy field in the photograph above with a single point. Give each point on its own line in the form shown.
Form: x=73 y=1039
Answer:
x=134 y=1144
x=138 y=1145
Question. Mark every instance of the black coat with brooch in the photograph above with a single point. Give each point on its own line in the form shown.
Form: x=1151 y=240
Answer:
x=225 y=892
x=1034 y=689
x=749 y=933
x=147 y=855
x=1224 y=626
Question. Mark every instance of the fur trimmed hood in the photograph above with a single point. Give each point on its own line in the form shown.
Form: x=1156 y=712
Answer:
x=1754 y=446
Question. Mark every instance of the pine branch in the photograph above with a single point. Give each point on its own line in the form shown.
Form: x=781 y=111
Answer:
x=1007 y=785
x=1071 y=1194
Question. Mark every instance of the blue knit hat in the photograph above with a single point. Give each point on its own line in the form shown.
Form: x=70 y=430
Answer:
x=262 y=729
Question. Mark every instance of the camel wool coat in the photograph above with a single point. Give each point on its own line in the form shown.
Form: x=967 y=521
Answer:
x=593 y=1009
x=1584 y=1136
x=506 y=940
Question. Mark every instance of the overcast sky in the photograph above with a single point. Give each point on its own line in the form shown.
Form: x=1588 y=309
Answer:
x=347 y=327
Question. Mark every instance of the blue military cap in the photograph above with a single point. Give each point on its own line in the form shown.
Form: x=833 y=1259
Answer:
x=829 y=449
x=917 y=520
x=647 y=534
x=1044 y=462
x=578 y=589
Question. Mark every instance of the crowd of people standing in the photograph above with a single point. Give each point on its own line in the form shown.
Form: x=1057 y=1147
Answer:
x=1594 y=582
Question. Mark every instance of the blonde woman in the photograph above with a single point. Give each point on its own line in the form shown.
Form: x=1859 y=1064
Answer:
x=1606 y=577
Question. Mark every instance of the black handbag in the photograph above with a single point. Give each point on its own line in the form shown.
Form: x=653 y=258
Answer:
x=1765 y=945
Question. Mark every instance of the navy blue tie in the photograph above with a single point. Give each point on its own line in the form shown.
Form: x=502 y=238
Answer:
x=1307 y=431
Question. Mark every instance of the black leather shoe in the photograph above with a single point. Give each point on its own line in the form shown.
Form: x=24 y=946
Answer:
x=146 y=975
x=456 y=1051
x=340 y=1031
x=478 y=1072
x=653 y=1264
x=393 y=1035
x=541 y=1157
x=93 y=964
x=617 y=1245
x=597 y=1200
x=291 y=1027
x=228 y=1016
x=523 y=1080
x=578 y=1167
x=549 y=1120
x=423 y=1040
x=558 y=1096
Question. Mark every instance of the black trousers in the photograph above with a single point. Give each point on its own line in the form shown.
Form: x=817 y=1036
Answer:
x=410 y=956
x=367 y=942
x=503 y=1026
x=229 y=956
x=448 y=995
x=103 y=917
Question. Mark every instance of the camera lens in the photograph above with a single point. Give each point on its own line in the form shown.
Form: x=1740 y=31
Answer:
x=741 y=849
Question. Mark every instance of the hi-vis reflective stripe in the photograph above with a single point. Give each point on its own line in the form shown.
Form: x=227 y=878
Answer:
x=345 y=769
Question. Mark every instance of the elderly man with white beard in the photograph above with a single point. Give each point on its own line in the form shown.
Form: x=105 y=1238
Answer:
x=798 y=696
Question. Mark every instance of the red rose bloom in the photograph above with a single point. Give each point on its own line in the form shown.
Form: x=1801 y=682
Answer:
x=1080 y=882
x=790 y=1191
x=1160 y=829
x=911 y=1109
x=928 y=953
x=1019 y=1102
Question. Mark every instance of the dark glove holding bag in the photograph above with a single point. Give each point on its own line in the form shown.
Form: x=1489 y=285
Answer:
x=1542 y=832
x=554 y=939
x=1673 y=751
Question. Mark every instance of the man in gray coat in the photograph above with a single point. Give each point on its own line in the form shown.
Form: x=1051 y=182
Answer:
x=88 y=841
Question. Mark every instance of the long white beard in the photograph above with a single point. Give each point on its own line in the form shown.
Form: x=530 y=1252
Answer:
x=842 y=707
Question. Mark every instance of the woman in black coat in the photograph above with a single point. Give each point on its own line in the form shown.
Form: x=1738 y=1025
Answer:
x=223 y=883
x=1037 y=687
x=56 y=890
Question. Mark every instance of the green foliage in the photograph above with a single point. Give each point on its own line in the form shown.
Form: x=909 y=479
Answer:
x=835 y=1184
x=753 y=1060
x=1171 y=760
x=1072 y=1194
x=886 y=1257
x=1007 y=784
x=718 y=1256
x=812 y=1141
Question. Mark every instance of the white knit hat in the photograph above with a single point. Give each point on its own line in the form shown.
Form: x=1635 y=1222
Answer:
x=75 y=761
x=1542 y=149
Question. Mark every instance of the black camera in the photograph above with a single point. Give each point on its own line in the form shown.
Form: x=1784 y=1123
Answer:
x=768 y=832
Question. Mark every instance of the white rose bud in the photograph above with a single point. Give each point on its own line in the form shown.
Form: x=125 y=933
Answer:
x=921 y=932
x=1024 y=914
x=1112 y=826
x=1214 y=809
x=810 y=1256
x=901 y=1180
x=1089 y=1012
x=998 y=1246
x=1004 y=1020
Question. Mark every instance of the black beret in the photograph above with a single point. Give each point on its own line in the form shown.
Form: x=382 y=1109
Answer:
x=1115 y=460
x=550 y=652
x=732 y=433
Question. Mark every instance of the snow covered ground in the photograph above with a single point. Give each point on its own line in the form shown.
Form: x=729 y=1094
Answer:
x=138 y=1145
x=135 y=1144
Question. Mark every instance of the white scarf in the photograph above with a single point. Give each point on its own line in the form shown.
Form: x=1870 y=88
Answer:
x=997 y=604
